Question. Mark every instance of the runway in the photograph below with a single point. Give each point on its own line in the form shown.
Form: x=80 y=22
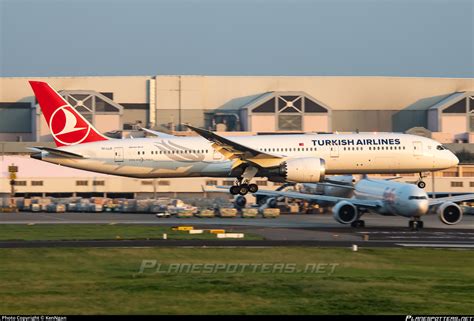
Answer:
x=284 y=221
x=287 y=230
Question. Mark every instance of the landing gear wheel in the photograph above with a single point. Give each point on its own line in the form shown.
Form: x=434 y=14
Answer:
x=234 y=190
x=253 y=188
x=358 y=223
x=421 y=184
x=243 y=189
x=415 y=225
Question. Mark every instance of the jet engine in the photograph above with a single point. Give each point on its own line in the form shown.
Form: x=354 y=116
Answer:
x=270 y=202
x=345 y=212
x=240 y=201
x=450 y=213
x=303 y=170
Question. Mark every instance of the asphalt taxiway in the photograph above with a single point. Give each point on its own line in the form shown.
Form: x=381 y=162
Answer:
x=286 y=230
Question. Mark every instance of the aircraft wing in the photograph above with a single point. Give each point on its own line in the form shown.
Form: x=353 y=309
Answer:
x=215 y=188
x=157 y=133
x=57 y=152
x=392 y=178
x=454 y=199
x=320 y=198
x=238 y=152
x=335 y=184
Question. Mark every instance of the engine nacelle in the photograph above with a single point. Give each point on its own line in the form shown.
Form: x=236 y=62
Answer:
x=345 y=212
x=303 y=170
x=240 y=201
x=270 y=202
x=450 y=213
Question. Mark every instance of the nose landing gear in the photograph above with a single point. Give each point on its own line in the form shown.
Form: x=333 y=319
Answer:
x=415 y=224
x=420 y=182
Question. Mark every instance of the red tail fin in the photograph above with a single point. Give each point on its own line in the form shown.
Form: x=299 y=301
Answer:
x=67 y=126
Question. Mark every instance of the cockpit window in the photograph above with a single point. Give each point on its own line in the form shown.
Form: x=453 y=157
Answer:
x=417 y=198
x=440 y=147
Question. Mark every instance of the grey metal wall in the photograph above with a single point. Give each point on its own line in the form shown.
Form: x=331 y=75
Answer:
x=406 y=119
x=133 y=115
x=15 y=120
x=362 y=120
x=192 y=116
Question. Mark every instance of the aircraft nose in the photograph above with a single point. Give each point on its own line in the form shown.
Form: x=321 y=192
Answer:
x=422 y=207
x=454 y=160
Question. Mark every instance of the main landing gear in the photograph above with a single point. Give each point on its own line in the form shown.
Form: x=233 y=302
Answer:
x=358 y=223
x=420 y=182
x=242 y=185
x=243 y=189
x=415 y=224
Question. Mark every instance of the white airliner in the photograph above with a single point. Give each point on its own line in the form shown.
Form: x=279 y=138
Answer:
x=384 y=197
x=284 y=158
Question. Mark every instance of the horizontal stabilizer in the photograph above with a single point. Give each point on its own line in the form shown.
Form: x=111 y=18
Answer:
x=57 y=152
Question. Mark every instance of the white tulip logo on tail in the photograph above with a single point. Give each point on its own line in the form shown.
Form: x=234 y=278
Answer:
x=66 y=128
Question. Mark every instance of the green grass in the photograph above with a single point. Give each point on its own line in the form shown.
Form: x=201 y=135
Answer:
x=102 y=281
x=99 y=232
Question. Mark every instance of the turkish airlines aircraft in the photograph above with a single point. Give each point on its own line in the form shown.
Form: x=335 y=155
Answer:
x=378 y=196
x=301 y=158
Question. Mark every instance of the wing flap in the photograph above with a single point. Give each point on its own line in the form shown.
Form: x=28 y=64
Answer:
x=234 y=151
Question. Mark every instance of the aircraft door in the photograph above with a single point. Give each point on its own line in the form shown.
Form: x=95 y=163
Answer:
x=334 y=151
x=118 y=151
x=417 y=148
